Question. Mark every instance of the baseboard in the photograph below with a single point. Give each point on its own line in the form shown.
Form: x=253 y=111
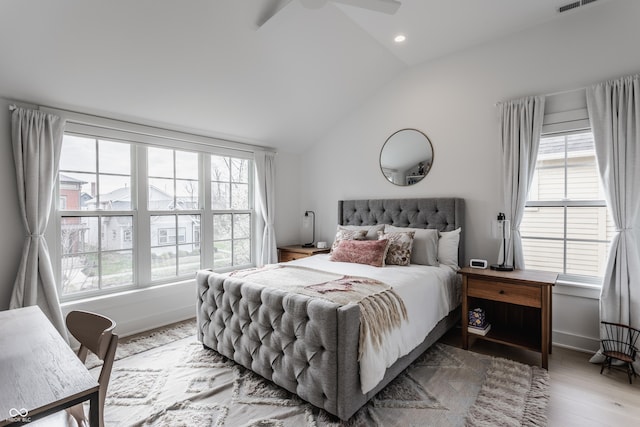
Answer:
x=575 y=342
x=153 y=321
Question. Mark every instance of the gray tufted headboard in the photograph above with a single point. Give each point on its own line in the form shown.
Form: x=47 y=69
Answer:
x=443 y=214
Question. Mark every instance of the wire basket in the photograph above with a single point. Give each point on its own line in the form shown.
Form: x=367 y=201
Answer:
x=620 y=344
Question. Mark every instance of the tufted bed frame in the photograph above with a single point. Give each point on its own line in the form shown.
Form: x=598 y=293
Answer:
x=306 y=345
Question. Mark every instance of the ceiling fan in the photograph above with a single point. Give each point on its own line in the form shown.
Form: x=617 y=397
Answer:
x=274 y=6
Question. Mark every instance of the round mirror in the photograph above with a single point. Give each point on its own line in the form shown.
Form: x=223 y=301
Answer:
x=406 y=157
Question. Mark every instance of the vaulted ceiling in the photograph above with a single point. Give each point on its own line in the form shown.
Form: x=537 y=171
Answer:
x=206 y=67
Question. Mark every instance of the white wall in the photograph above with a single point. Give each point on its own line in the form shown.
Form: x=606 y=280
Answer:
x=452 y=100
x=288 y=190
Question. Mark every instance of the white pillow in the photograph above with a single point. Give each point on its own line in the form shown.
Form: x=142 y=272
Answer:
x=448 y=248
x=425 y=244
x=372 y=230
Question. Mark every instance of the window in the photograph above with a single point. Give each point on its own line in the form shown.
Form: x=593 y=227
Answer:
x=566 y=227
x=173 y=185
x=231 y=218
x=131 y=213
x=95 y=185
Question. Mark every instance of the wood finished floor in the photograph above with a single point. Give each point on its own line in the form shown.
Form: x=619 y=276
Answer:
x=580 y=396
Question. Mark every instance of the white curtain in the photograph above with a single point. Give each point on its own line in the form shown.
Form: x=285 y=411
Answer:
x=520 y=128
x=266 y=183
x=614 y=112
x=37 y=140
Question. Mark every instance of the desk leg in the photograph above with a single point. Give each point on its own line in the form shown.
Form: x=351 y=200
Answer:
x=94 y=409
x=465 y=314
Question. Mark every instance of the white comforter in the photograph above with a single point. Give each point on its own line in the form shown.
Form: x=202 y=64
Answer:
x=429 y=294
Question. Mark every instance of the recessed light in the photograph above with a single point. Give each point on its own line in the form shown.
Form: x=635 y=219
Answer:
x=399 y=38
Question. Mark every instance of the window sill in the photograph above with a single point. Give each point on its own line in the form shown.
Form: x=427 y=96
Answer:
x=129 y=293
x=577 y=289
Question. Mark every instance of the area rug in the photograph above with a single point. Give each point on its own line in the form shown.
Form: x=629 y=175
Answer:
x=142 y=342
x=180 y=383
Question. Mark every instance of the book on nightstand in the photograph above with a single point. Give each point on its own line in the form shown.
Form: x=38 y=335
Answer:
x=479 y=331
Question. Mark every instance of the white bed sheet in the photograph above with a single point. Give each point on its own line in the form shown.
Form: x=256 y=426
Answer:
x=429 y=294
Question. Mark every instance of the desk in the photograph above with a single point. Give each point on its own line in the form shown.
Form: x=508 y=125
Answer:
x=40 y=373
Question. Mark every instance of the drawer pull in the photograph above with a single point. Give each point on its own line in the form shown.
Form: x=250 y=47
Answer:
x=501 y=292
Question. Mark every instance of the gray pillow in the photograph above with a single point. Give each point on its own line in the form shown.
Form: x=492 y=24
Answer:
x=425 y=244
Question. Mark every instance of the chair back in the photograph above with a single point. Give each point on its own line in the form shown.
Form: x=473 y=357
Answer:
x=95 y=334
x=620 y=341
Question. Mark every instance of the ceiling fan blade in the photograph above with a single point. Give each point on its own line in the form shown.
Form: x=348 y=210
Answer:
x=271 y=8
x=385 y=6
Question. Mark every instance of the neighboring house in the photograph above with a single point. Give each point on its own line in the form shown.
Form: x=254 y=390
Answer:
x=71 y=196
x=116 y=233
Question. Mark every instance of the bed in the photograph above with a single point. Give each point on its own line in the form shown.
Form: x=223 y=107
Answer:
x=309 y=346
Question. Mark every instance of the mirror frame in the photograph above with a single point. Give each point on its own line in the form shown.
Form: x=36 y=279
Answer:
x=427 y=169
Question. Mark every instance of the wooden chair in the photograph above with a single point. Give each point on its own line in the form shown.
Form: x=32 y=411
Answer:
x=95 y=334
x=620 y=344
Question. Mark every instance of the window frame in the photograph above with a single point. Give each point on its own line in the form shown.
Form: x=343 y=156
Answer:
x=141 y=214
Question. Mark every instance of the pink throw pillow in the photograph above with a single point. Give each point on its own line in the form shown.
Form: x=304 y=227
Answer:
x=369 y=252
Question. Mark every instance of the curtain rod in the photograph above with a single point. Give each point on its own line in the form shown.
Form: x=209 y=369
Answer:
x=635 y=75
x=226 y=143
x=84 y=119
x=548 y=94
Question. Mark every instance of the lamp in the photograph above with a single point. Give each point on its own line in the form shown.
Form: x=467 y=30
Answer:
x=504 y=230
x=313 y=227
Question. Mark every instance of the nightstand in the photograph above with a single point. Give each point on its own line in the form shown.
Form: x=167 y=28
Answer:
x=517 y=304
x=289 y=253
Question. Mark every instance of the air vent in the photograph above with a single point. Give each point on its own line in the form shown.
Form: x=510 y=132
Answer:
x=574 y=5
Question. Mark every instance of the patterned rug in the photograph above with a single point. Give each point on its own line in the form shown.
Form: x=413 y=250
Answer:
x=182 y=384
x=155 y=338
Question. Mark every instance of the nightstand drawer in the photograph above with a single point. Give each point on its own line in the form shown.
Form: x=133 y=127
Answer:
x=505 y=292
x=290 y=253
x=290 y=256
